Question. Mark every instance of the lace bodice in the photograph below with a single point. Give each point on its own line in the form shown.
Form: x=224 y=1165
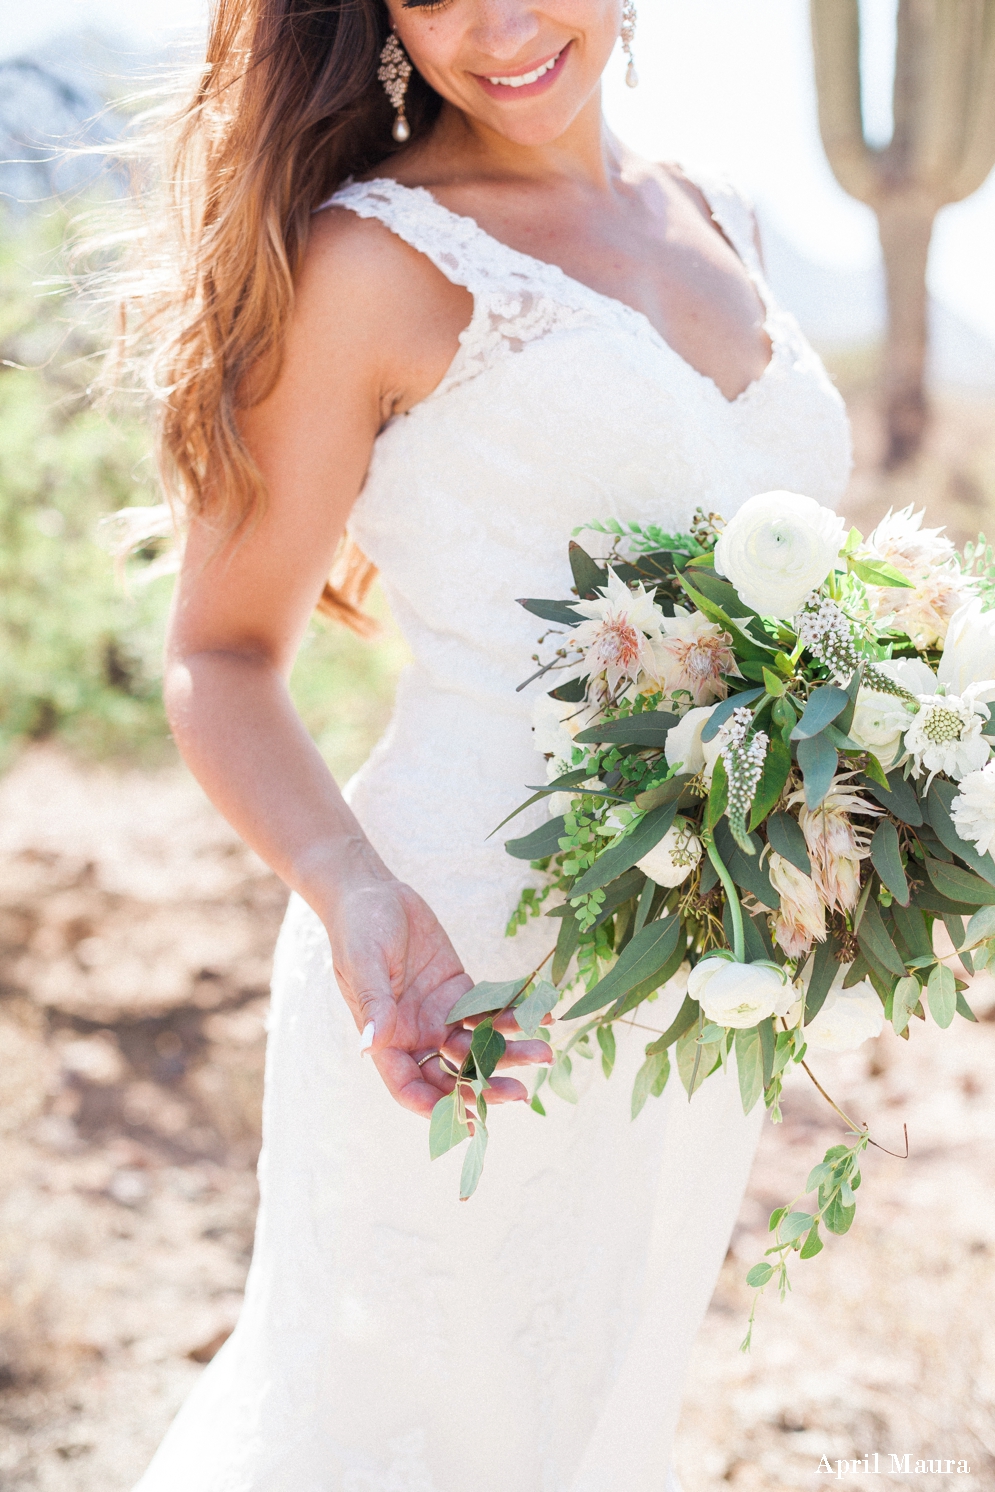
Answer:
x=562 y=405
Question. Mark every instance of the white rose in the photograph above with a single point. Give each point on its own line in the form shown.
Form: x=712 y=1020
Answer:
x=973 y=810
x=554 y=725
x=848 y=1017
x=672 y=860
x=734 y=994
x=878 y=723
x=778 y=548
x=969 y=649
x=683 y=745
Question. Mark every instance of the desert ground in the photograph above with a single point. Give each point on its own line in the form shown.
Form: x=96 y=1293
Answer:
x=135 y=940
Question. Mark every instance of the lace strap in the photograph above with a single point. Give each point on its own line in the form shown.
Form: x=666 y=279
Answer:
x=455 y=245
x=733 y=212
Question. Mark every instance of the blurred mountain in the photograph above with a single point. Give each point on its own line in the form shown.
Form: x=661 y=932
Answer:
x=55 y=102
x=840 y=309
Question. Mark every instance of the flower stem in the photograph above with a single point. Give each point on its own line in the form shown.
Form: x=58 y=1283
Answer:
x=736 y=911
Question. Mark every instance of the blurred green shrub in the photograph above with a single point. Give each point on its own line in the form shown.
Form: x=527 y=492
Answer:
x=79 y=651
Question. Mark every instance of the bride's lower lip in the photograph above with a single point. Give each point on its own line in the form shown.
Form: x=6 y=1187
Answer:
x=505 y=92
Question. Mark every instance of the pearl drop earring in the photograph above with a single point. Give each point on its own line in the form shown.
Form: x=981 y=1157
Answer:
x=628 y=33
x=394 y=74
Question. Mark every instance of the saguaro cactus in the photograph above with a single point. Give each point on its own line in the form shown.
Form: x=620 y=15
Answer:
x=942 y=149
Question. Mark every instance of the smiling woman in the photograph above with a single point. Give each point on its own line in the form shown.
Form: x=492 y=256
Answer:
x=440 y=347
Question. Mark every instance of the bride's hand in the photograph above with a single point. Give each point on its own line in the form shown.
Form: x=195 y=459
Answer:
x=399 y=973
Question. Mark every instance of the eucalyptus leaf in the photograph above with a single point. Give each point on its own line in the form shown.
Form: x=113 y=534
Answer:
x=886 y=858
x=759 y=1275
x=686 y=1017
x=784 y=835
x=540 y=1002
x=941 y=993
x=980 y=927
x=566 y=946
x=560 y=1080
x=900 y=798
x=793 y=1226
x=825 y=967
x=473 y=1162
x=750 y=1065
x=873 y=937
x=813 y=1244
x=818 y=761
x=445 y=1129
x=560 y=612
x=647 y=729
x=606 y=1041
x=620 y=857
x=904 y=1001
x=588 y=576
x=959 y=885
x=651 y=1078
x=487 y=1048
x=642 y=958
x=541 y=842
x=485 y=998
x=823 y=706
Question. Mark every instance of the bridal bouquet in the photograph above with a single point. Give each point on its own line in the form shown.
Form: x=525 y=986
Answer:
x=770 y=774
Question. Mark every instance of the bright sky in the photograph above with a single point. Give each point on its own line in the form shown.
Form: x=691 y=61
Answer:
x=723 y=83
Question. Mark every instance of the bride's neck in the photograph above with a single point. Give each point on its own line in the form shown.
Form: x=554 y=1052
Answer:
x=461 y=146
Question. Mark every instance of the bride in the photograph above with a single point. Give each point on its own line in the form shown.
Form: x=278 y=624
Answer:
x=417 y=309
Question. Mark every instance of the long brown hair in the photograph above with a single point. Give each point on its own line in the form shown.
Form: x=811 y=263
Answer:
x=286 y=106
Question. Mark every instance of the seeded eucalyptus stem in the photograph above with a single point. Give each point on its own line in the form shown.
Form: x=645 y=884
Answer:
x=736 y=911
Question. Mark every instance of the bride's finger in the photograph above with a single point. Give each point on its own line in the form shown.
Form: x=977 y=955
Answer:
x=517 y=1053
x=504 y=1022
x=525 y=1054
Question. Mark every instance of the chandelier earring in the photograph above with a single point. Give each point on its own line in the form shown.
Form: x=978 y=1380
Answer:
x=395 y=74
x=628 y=34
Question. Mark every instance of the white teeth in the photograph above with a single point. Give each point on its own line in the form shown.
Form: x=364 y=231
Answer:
x=532 y=77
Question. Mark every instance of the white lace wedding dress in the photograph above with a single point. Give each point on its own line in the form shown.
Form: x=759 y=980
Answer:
x=535 y=1338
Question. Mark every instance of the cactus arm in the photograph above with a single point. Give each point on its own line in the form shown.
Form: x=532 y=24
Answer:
x=935 y=93
x=836 y=50
x=979 y=145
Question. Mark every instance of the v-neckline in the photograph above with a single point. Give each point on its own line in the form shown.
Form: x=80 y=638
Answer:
x=639 y=318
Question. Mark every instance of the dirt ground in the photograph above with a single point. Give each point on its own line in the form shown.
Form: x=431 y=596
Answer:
x=135 y=940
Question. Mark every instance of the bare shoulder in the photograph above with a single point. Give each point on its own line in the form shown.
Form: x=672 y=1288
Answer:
x=379 y=300
x=693 y=193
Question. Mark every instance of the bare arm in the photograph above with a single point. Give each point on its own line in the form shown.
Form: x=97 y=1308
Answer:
x=373 y=331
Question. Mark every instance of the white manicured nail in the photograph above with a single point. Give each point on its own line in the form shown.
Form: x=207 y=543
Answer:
x=366 y=1040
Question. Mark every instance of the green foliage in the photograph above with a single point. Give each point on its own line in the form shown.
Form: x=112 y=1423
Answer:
x=80 y=650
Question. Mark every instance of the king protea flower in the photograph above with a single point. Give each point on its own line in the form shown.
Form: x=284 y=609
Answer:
x=617 y=634
x=693 y=656
x=925 y=557
x=835 y=844
x=801 y=917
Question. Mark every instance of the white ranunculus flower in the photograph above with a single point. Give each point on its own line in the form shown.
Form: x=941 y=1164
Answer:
x=777 y=549
x=672 y=860
x=737 y=995
x=554 y=725
x=683 y=746
x=969 y=649
x=973 y=810
x=912 y=673
x=879 y=721
x=848 y=1018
